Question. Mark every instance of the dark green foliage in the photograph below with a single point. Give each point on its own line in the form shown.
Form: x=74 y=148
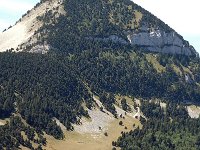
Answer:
x=106 y=134
x=85 y=21
x=124 y=105
x=53 y=129
x=152 y=110
x=44 y=88
x=117 y=71
x=88 y=24
x=108 y=100
x=165 y=129
x=11 y=137
x=197 y=143
x=121 y=123
x=6 y=102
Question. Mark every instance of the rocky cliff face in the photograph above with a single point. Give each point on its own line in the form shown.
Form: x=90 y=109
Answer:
x=160 y=41
x=155 y=41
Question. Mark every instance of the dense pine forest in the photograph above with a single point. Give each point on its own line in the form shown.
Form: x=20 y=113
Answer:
x=31 y=80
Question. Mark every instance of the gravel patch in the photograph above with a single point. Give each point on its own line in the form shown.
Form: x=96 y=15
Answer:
x=99 y=122
x=193 y=111
x=2 y=122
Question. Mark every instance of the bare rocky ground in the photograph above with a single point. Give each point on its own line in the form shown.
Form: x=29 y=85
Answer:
x=23 y=31
x=94 y=139
x=3 y=121
x=90 y=135
x=99 y=121
x=97 y=124
x=193 y=111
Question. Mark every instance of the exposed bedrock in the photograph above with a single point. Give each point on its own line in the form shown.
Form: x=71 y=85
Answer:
x=160 y=41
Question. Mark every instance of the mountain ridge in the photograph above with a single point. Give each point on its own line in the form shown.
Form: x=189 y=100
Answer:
x=26 y=26
x=137 y=28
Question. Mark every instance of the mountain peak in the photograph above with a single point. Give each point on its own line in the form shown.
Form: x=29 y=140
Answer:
x=117 y=21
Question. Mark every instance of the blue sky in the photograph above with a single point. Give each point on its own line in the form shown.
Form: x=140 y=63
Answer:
x=12 y=10
x=181 y=15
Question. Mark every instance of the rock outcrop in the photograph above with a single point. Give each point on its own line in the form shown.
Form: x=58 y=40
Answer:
x=160 y=41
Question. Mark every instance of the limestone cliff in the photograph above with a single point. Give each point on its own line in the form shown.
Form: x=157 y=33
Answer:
x=160 y=41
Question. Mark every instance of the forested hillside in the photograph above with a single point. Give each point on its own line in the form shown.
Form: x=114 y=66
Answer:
x=169 y=128
x=139 y=74
x=90 y=54
x=90 y=24
x=43 y=87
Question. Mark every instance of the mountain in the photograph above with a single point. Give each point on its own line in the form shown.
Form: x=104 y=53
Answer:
x=120 y=21
x=87 y=74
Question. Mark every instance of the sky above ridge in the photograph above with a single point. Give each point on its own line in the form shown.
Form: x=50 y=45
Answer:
x=12 y=10
x=181 y=15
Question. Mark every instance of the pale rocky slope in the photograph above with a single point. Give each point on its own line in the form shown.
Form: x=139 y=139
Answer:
x=23 y=31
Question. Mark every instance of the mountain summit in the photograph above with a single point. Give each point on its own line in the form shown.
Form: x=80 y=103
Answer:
x=53 y=23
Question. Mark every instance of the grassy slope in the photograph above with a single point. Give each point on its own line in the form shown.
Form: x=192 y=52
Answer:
x=76 y=141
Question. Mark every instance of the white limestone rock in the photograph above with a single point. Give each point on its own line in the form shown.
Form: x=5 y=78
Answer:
x=160 y=41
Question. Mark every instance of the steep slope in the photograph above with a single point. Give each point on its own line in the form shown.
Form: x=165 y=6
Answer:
x=118 y=21
x=39 y=88
x=24 y=29
x=52 y=92
x=169 y=128
x=53 y=23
